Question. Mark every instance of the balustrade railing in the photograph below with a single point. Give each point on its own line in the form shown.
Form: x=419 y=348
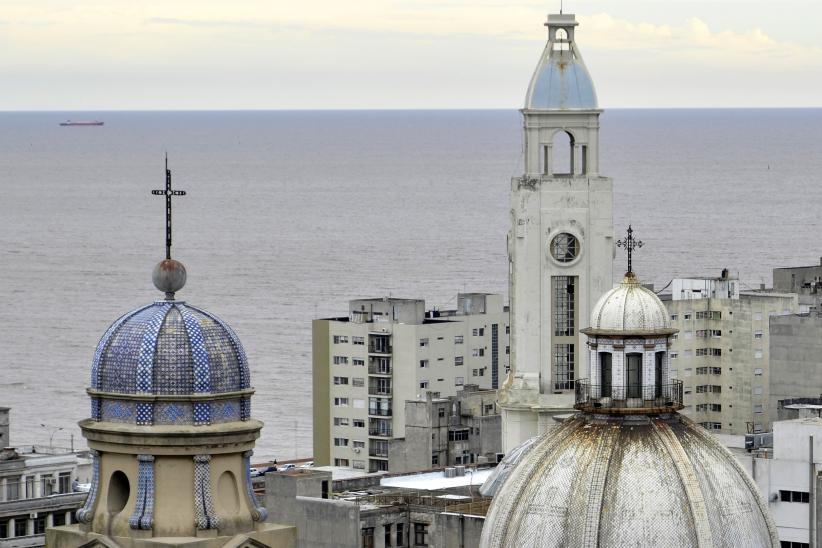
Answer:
x=606 y=398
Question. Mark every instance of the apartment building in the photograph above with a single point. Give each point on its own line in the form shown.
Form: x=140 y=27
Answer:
x=721 y=352
x=457 y=430
x=387 y=351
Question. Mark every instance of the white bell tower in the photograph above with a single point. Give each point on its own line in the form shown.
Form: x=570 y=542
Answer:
x=560 y=245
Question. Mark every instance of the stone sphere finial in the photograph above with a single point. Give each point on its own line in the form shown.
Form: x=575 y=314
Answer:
x=169 y=276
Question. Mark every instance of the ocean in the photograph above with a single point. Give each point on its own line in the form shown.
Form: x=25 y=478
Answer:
x=288 y=215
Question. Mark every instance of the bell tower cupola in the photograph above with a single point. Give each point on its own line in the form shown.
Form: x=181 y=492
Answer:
x=560 y=245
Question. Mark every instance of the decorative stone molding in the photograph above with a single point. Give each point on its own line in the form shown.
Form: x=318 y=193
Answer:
x=143 y=516
x=258 y=511
x=86 y=513
x=205 y=517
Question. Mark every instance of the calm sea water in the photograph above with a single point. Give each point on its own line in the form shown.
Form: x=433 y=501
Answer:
x=290 y=214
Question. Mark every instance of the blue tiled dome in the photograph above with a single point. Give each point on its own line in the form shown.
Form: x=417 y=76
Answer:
x=170 y=363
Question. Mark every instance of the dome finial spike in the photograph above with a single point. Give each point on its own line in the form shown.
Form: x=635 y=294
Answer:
x=629 y=243
x=169 y=276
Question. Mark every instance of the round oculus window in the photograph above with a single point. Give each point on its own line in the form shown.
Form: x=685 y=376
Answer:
x=564 y=247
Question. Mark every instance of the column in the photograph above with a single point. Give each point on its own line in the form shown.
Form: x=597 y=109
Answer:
x=29 y=527
x=50 y=520
x=577 y=167
x=38 y=486
x=3 y=487
x=11 y=528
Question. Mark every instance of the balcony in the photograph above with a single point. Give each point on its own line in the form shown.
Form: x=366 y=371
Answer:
x=379 y=407
x=377 y=368
x=632 y=399
x=377 y=348
x=378 y=452
x=379 y=389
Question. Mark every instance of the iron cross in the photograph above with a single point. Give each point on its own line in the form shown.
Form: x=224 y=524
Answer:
x=168 y=193
x=629 y=244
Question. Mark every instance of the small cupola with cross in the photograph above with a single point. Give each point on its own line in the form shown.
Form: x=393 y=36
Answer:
x=629 y=339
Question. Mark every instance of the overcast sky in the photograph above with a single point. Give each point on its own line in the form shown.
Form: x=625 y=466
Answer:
x=318 y=54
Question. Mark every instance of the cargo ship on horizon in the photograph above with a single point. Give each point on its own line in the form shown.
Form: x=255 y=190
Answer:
x=82 y=123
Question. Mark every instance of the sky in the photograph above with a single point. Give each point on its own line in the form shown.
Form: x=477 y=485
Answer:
x=399 y=54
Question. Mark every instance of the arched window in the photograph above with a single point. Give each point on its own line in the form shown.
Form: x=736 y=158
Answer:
x=634 y=374
x=605 y=374
x=118 y=492
x=659 y=364
x=563 y=153
x=561 y=40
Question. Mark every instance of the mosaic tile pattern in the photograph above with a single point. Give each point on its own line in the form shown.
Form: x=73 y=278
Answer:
x=258 y=511
x=225 y=411
x=143 y=515
x=173 y=349
x=119 y=411
x=170 y=348
x=205 y=516
x=86 y=513
x=173 y=413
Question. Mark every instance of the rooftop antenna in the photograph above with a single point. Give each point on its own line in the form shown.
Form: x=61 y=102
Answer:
x=560 y=7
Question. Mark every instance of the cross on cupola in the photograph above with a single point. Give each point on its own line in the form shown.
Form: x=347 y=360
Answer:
x=168 y=193
x=629 y=243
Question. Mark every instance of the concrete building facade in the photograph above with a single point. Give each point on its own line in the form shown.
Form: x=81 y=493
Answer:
x=386 y=351
x=795 y=350
x=721 y=353
x=457 y=430
x=560 y=244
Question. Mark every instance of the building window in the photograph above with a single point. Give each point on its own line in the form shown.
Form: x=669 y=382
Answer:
x=793 y=544
x=338 y=339
x=479 y=352
x=423 y=384
x=340 y=380
x=359 y=341
x=340 y=442
x=563 y=366
x=758 y=354
x=340 y=421
x=423 y=363
x=387 y=535
x=507 y=329
x=634 y=371
x=400 y=534
x=794 y=496
x=358 y=464
x=674 y=317
x=758 y=408
x=358 y=381
x=507 y=350
x=358 y=444
x=424 y=342
x=420 y=534
x=564 y=292
x=367 y=537
x=711 y=425
x=478 y=331
x=708 y=389
x=341 y=402
x=340 y=360
x=20 y=527
x=758 y=371
x=459 y=381
x=64 y=482
x=564 y=247
x=358 y=423
x=458 y=360
x=441 y=412
x=357 y=361
x=457 y=339
x=757 y=334
x=686 y=316
x=458 y=435
x=674 y=355
x=435 y=459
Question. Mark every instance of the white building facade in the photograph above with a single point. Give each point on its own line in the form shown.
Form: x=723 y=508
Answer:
x=560 y=245
x=389 y=351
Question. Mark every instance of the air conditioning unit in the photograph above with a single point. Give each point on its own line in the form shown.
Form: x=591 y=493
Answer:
x=357 y=449
x=52 y=481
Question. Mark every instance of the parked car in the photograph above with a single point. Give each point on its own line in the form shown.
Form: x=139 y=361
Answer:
x=284 y=467
x=256 y=472
x=309 y=464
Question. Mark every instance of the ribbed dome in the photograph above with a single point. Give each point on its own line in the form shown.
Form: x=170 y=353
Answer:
x=173 y=351
x=629 y=308
x=627 y=481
